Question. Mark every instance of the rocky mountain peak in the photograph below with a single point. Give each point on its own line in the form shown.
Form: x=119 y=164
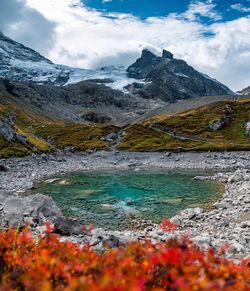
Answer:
x=147 y=62
x=167 y=55
x=171 y=79
x=143 y=65
x=147 y=54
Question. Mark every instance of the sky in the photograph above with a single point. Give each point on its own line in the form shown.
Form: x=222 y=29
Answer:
x=212 y=35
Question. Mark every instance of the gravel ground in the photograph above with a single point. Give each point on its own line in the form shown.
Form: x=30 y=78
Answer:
x=228 y=221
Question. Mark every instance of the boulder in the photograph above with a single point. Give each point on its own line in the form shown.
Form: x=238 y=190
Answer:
x=247 y=128
x=191 y=213
x=37 y=209
x=203 y=240
x=67 y=226
x=21 y=138
x=3 y=168
x=10 y=135
x=6 y=131
x=13 y=209
x=96 y=117
x=42 y=206
x=112 y=242
x=223 y=205
x=235 y=248
x=176 y=220
x=216 y=125
x=236 y=177
x=111 y=137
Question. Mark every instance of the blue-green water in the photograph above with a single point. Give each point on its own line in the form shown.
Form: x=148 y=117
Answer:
x=111 y=199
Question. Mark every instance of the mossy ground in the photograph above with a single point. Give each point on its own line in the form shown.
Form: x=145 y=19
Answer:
x=80 y=136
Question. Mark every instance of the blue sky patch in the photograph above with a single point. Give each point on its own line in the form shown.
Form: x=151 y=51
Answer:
x=228 y=9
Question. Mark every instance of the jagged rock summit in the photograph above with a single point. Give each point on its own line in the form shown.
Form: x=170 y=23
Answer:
x=146 y=63
x=171 y=79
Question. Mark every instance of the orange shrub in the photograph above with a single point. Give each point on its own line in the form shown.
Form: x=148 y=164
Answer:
x=47 y=264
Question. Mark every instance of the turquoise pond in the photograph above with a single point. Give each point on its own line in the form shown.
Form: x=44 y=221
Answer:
x=111 y=199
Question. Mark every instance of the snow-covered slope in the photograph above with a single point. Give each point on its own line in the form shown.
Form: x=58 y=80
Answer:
x=21 y=63
x=245 y=91
x=114 y=77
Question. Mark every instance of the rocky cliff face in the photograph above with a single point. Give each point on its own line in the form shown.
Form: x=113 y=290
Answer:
x=171 y=79
x=85 y=94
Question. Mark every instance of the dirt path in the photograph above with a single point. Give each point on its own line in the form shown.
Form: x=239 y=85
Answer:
x=181 y=136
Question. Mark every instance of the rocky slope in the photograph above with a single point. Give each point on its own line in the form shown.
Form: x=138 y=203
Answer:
x=171 y=79
x=76 y=102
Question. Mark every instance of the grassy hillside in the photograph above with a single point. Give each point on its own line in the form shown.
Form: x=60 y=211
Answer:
x=191 y=130
x=46 y=134
x=187 y=131
x=81 y=136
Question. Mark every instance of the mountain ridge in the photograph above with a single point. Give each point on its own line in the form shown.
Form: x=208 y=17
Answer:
x=164 y=78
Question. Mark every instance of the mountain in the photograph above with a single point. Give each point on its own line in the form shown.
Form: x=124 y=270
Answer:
x=170 y=79
x=245 y=91
x=150 y=77
x=20 y=63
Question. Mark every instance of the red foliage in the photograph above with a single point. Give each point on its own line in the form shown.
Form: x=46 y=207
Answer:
x=167 y=225
x=28 y=263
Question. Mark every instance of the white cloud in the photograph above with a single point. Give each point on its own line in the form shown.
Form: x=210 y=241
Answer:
x=202 y=8
x=26 y=25
x=106 y=1
x=88 y=38
x=239 y=7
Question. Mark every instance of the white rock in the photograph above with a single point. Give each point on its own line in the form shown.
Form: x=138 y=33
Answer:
x=236 y=248
x=203 y=239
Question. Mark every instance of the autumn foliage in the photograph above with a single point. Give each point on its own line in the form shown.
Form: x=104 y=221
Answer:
x=32 y=263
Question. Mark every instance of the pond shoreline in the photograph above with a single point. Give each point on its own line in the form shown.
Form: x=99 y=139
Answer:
x=227 y=222
x=126 y=195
